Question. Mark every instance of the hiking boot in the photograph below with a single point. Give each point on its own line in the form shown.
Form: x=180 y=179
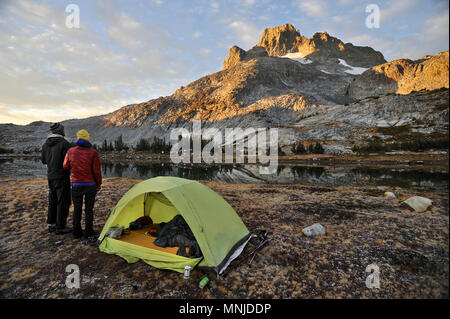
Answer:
x=92 y=239
x=62 y=231
x=91 y=236
x=52 y=228
x=87 y=234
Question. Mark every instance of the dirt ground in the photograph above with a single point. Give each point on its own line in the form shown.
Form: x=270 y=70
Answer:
x=363 y=228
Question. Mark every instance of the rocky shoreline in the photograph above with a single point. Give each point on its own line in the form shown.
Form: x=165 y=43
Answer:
x=362 y=228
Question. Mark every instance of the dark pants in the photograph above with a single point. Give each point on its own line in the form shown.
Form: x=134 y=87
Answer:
x=58 y=201
x=88 y=193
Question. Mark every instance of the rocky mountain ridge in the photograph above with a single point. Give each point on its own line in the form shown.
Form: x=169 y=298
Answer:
x=321 y=46
x=317 y=89
x=403 y=76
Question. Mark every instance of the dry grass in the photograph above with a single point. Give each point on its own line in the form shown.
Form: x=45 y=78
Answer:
x=362 y=226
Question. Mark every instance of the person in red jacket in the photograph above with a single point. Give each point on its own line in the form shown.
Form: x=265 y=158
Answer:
x=84 y=163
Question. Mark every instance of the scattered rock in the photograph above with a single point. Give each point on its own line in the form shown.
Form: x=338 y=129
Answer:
x=314 y=230
x=389 y=195
x=417 y=203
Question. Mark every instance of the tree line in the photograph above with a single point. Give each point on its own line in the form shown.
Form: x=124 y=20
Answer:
x=155 y=145
x=299 y=148
x=376 y=144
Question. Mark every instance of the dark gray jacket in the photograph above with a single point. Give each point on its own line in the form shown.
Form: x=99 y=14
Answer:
x=53 y=153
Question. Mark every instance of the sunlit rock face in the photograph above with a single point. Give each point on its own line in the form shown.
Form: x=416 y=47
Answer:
x=237 y=55
x=280 y=40
x=403 y=76
x=320 y=47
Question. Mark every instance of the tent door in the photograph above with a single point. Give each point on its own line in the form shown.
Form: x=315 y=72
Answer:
x=159 y=208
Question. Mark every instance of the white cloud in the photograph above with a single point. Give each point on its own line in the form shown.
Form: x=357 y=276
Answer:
x=345 y=2
x=132 y=35
x=396 y=8
x=337 y=19
x=57 y=73
x=313 y=8
x=246 y=34
x=215 y=6
x=437 y=27
x=197 y=34
x=248 y=2
x=29 y=11
x=431 y=39
x=127 y=23
x=205 y=52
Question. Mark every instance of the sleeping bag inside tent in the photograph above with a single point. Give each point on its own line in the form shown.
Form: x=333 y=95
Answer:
x=213 y=224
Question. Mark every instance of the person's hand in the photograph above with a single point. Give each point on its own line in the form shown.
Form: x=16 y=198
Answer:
x=99 y=187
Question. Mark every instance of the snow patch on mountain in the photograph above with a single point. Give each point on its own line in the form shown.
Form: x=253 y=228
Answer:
x=353 y=69
x=297 y=56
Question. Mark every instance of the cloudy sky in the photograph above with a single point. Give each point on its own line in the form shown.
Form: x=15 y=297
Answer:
x=131 y=51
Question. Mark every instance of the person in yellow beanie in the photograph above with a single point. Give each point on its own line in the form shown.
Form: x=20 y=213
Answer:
x=84 y=163
x=83 y=134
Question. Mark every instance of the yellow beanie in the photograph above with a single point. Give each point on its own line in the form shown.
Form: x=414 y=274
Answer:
x=83 y=134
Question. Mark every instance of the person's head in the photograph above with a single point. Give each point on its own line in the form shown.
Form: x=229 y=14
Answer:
x=57 y=128
x=83 y=134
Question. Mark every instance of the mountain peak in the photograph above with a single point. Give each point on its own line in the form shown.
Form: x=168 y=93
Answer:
x=281 y=40
x=237 y=55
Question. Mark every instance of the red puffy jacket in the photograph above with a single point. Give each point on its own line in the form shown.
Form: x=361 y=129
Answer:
x=85 y=165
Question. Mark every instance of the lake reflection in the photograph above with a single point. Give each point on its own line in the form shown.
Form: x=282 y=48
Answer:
x=416 y=178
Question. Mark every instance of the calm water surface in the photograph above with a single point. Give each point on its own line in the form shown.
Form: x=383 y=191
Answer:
x=414 y=177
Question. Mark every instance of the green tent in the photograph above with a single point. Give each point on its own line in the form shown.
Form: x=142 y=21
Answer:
x=219 y=231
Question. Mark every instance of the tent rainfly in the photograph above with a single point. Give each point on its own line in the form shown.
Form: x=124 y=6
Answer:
x=219 y=231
